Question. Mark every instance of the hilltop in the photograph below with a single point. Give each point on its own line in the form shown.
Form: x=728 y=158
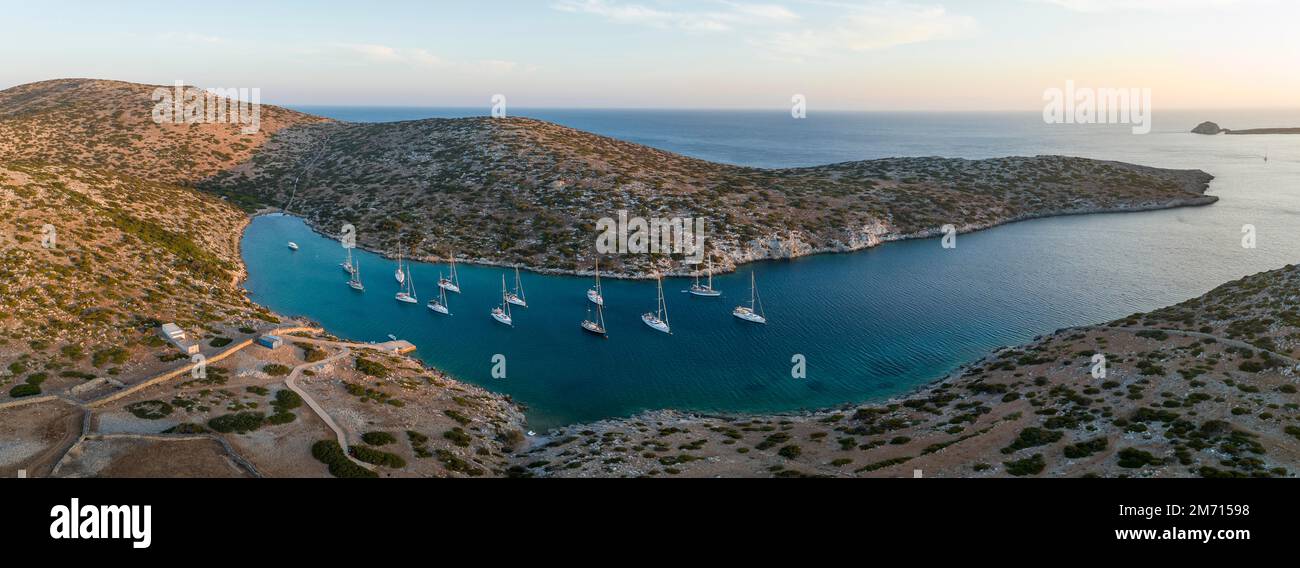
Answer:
x=524 y=191
x=109 y=125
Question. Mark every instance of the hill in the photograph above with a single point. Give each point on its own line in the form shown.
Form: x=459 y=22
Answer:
x=525 y=191
x=109 y=125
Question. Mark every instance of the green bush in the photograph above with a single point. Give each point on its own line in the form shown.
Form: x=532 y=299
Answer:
x=1085 y=449
x=242 y=422
x=376 y=457
x=378 y=438
x=150 y=409
x=330 y=453
x=790 y=452
x=276 y=370
x=1033 y=465
x=220 y=341
x=458 y=437
x=1032 y=437
x=24 y=390
x=368 y=367
x=286 y=400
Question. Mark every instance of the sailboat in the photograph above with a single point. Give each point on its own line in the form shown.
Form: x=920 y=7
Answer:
x=502 y=313
x=658 y=319
x=594 y=293
x=753 y=313
x=355 y=280
x=348 y=266
x=407 y=295
x=451 y=284
x=440 y=305
x=293 y=245
x=399 y=275
x=707 y=289
x=596 y=326
x=517 y=297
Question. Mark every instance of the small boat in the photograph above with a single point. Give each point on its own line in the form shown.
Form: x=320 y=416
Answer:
x=754 y=312
x=517 y=297
x=658 y=319
x=705 y=290
x=293 y=245
x=349 y=266
x=407 y=295
x=440 y=305
x=597 y=325
x=399 y=275
x=355 y=280
x=452 y=283
x=502 y=313
x=390 y=336
x=594 y=294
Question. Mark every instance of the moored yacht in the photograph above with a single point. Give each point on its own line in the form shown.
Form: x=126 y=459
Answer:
x=754 y=311
x=451 y=283
x=597 y=325
x=502 y=312
x=440 y=304
x=594 y=294
x=407 y=295
x=355 y=280
x=293 y=245
x=658 y=319
x=517 y=297
x=705 y=290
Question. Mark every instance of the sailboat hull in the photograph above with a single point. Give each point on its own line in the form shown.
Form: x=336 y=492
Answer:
x=434 y=306
x=704 y=292
x=517 y=301
x=748 y=315
x=406 y=299
x=450 y=287
x=356 y=286
x=655 y=323
x=593 y=327
x=502 y=318
x=595 y=298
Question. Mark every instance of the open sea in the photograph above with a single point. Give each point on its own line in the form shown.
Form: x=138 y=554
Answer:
x=870 y=325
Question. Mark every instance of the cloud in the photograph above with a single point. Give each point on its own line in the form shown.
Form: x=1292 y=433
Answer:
x=727 y=16
x=191 y=37
x=423 y=58
x=868 y=27
x=385 y=54
x=1159 y=6
x=782 y=34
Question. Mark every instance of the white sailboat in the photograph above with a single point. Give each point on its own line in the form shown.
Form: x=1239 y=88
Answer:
x=754 y=312
x=658 y=319
x=705 y=290
x=399 y=275
x=440 y=305
x=502 y=312
x=517 y=297
x=348 y=265
x=596 y=326
x=407 y=295
x=594 y=294
x=355 y=280
x=293 y=245
x=451 y=284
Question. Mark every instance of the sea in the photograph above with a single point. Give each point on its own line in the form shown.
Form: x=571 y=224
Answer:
x=842 y=328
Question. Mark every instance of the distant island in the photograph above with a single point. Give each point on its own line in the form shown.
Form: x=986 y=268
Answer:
x=1211 y=128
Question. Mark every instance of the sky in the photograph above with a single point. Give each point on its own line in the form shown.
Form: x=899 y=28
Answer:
x=951 y=55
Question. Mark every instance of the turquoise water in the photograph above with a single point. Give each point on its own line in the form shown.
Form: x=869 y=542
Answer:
x=870 y=324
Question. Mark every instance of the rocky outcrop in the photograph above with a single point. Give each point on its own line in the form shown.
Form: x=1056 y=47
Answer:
x=1207 y=128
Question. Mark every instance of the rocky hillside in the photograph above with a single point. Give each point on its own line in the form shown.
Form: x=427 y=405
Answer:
x=525 y=191
x=110 y=125
x=1207 y=388
x=126 y=253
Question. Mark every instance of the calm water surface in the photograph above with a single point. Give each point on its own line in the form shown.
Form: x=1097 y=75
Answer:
x=870 y=324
